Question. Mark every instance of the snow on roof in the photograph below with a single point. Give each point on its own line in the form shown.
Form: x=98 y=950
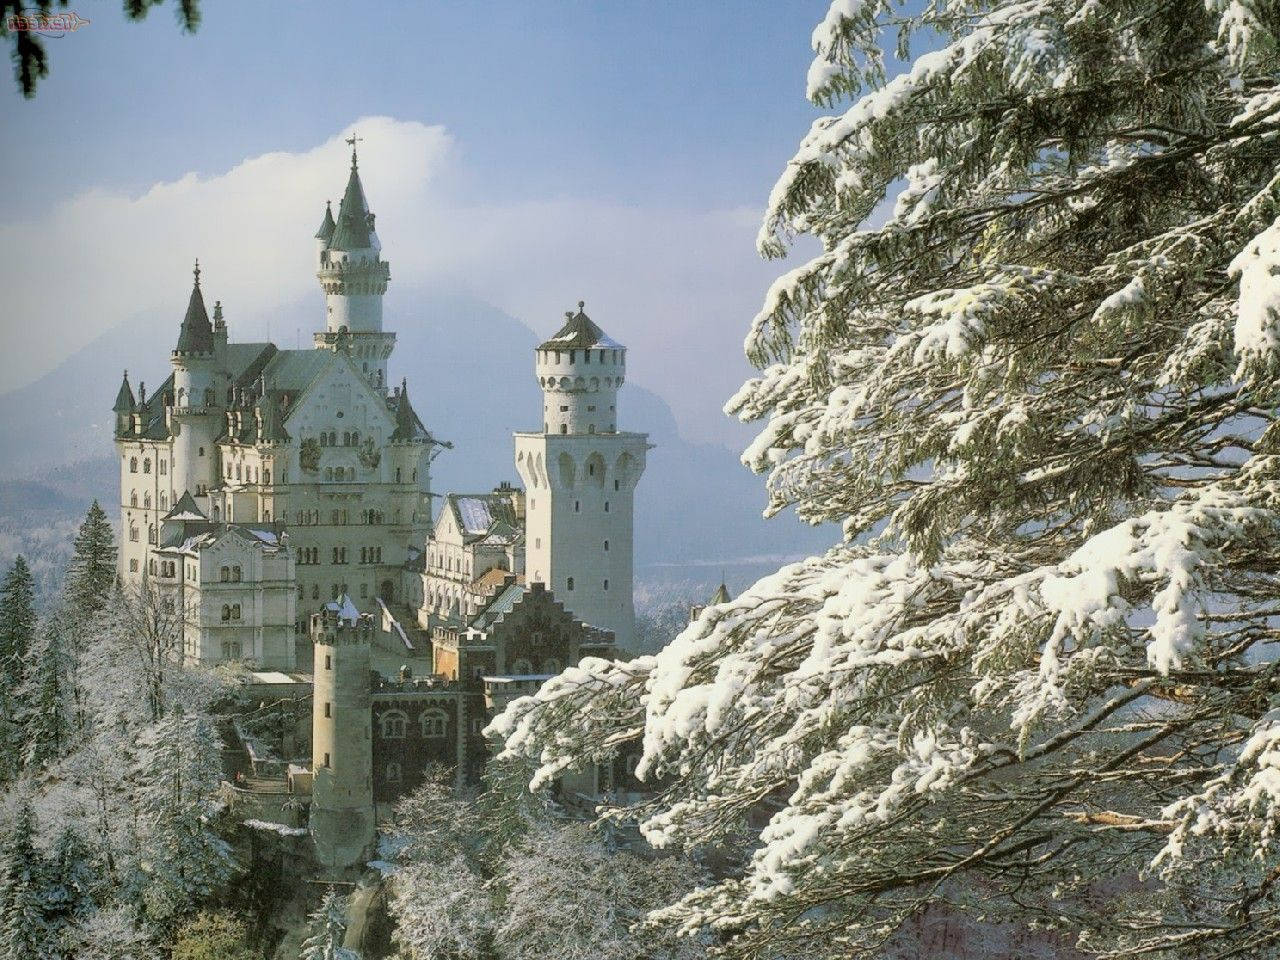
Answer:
x=344 y=608
x=266 y=536
x=395 y=625
x=475 y=513
x=272 y=676
x=519 y=677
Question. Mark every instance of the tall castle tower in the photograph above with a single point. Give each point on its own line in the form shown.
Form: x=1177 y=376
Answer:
x=580 y=475
x=342 y=816
x=196 y=412
x=354 y=278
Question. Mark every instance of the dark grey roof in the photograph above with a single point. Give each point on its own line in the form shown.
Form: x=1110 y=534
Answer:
x=154 y=424
x=480 y=514
x=196 y=335
x=185 y=509
x=354 y=229
x=578 y=332
x=502 y=604
x=124 y=399
x=325 y=232
x=273 y=430
x=408 y=426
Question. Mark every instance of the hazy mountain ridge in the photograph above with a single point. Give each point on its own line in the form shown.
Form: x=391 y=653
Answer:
x=470 y=372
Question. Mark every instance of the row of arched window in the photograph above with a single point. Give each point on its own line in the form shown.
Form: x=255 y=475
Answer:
x=230 y=574
x=349 y=438
x=146 y=499
x=230 y=611
x=339 y=474
x=394 y=724
x=162 y=469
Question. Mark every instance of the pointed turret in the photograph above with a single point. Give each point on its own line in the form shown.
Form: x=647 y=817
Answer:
x=721 y=595
x=325 y=233
x=354 y=228
x=124 y=399
x=270 y=423
x=407 y=424
x=196 y=335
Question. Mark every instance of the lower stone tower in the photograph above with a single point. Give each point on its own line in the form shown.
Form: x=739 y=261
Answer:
x=342 y=816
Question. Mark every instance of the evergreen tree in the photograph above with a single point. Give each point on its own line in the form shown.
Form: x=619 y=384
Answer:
x=92 y=570
x=213 y=936
x=1039 y=400
x=328 y=927
x=17 y=622
x=17 y=628
x=74 y=877
x=25 y=905
x=177 y=773
x=48 y=695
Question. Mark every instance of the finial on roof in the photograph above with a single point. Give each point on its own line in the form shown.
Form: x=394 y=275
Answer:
x=353 y=140
x=196 y=271
x=581 y=304
x=217 y=311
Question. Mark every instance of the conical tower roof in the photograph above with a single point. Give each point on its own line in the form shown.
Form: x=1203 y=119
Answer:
x=196 y=335
x=353 y=231
x=407 y=424
x=579 y=331
x=124 y=399
x=325 y=232
x=721 y=595
x=273 y=430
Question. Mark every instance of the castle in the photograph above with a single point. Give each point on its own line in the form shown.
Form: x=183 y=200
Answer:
x=277 y=503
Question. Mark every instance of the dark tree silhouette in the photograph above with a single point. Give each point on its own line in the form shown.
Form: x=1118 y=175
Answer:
x=31 y=61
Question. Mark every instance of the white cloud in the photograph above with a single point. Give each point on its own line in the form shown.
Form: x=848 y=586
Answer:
x=678 y=286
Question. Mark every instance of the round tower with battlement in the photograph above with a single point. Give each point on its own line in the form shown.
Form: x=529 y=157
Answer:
x=195 y=417
x=342 y=816
x=580 y=473
x=354 y=278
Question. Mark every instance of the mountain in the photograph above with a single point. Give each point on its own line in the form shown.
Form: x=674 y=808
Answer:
x=470 y=367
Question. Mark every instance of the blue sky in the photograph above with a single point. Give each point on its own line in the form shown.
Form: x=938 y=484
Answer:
x=666 y=111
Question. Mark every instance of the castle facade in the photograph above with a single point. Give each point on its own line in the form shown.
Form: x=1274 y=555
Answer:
x=278 y=503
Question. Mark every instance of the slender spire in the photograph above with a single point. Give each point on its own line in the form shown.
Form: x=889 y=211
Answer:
x=327 y=225
x=406 y=419
x=124 y=399
x=196 y=335
x=353 y=140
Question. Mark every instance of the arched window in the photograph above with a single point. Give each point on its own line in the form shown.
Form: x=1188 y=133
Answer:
x=146 y=465
x=266 y=476
x=164 y=501
x=606 y=546
x=224 y=574
x=433 y=723
x=355 y=438
x=133 y=498
x=235 y=611
x=346 y=438
x=235 y=574
x=133 y=534
x=394 y=724
x=151 y=533
x=324 y=439
x=226 y=613
x=146 y=500
x=133 y=464
x=393 y=772
x=606 y=584
x=571 y=583
x=522 y=667
x=217 y=511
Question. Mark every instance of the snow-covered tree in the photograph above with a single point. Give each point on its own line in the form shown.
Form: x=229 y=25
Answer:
x=567 y=895
x=110 y=933
x=328 y=927
x=17 y=621
x=92 y=571
x=48 y=695
x=213 y=935
x=25 y=903
x=17 y=630
x=177 y=774
x=1037 y=392
x=74 y=877
x=443 y=908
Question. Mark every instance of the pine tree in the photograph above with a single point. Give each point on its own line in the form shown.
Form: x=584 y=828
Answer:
x=92 y=571
x=25 y=931
x=48 y=695
x=177 y=773
x=17 y=628
x=1039 y=400
x=17 y=622
x=74 y=877
x=328 y=927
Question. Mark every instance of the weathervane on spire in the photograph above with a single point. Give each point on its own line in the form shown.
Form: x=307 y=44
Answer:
x=196 y=271
x=353 y=140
